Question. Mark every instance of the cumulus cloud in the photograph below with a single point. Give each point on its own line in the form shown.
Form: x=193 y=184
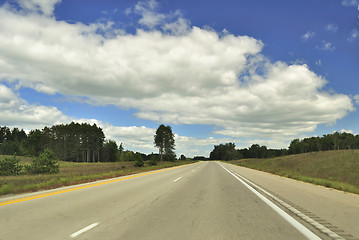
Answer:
x=350 y=2
x=182 y=74
x=17 y=112
x=354 y=34
x=356 y=98
x=150 y=17
x=179 y=27
x=173 y=22
x=43 y=6
x=308 y=35
x=133 y=137
x=331 y=27
x=326 y=46
x=141 y=139
x=346 y=131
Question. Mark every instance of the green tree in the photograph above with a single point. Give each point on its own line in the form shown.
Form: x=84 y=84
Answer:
x=110 y=149
x=164 y=140
x=10 y=166
x=9 y=148
x=129 y=156
x=120 y=153
x=120 y=148
x=33 y=143
x=224 y=152
x=138 y=160
x=45 y=163
x=153 y=159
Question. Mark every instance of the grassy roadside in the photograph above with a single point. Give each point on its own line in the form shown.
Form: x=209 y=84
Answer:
x=333 y=169
x=74 y=173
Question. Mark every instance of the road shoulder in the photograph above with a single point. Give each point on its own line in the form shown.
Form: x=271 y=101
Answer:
x=334 y=208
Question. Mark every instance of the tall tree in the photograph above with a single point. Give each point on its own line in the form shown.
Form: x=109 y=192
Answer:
x=164 y=140
x=110 y=151
x=224 y=152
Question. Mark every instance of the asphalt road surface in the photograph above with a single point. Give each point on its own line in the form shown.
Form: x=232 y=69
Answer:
x=206 y=200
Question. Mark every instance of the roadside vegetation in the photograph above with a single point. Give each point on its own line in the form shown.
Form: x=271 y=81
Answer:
x=334 y=169
x=46 y=162
x=84 y=153
x=71 y=173
x=328 y=142
x=83 y=142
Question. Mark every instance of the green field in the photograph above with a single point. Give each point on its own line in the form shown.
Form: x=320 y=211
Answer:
x=334 y=169
x=74 y=173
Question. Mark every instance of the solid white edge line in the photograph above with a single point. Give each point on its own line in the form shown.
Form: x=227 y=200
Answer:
x=298 y=213
x=84 y=230
x=297 y=225
x=177 y=179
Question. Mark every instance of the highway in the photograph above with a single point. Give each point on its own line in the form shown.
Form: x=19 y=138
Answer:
x=206 y=200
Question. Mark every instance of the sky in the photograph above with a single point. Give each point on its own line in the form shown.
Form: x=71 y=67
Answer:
x=241 y=71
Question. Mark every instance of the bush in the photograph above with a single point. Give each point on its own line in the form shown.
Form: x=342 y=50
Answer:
x=45 y=163
x=5 y=189
x=153 y=160
x=139 y=161
x=10 y=167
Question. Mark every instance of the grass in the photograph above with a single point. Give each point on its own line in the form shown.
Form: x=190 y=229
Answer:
x=74 y=173
x=334 y=169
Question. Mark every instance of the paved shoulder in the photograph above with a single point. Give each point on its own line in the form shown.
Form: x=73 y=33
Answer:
x=336 y=210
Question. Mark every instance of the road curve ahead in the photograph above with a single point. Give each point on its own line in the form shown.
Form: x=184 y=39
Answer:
x=198 y=201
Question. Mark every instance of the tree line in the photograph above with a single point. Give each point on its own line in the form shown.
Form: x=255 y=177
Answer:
x=83 y=142
x=71 y=142
x=228 y=152
x=334 y=141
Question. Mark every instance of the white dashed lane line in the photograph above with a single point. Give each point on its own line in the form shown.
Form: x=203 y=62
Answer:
x=177 y=179
x=83 y=230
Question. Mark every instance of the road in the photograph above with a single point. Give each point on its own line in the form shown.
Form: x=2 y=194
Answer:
x=206 y=200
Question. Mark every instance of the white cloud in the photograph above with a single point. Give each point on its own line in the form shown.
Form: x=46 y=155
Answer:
x=128 y=11
x=185 y=75
x=141 y=139
x=44 y=6
x=354 y=34
x=133 y=137
x=356 y=98
x=16 y=112
x=332 y=27
x=346 y=131
x=350 y=2
x=326 y=46
x=308 y=35
x=179 y=27
x=150 y=17
x=173 y=23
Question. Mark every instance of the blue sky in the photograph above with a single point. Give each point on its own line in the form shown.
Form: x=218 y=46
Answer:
x=243 y=71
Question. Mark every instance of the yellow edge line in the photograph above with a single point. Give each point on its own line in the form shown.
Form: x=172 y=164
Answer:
x=86 y=186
